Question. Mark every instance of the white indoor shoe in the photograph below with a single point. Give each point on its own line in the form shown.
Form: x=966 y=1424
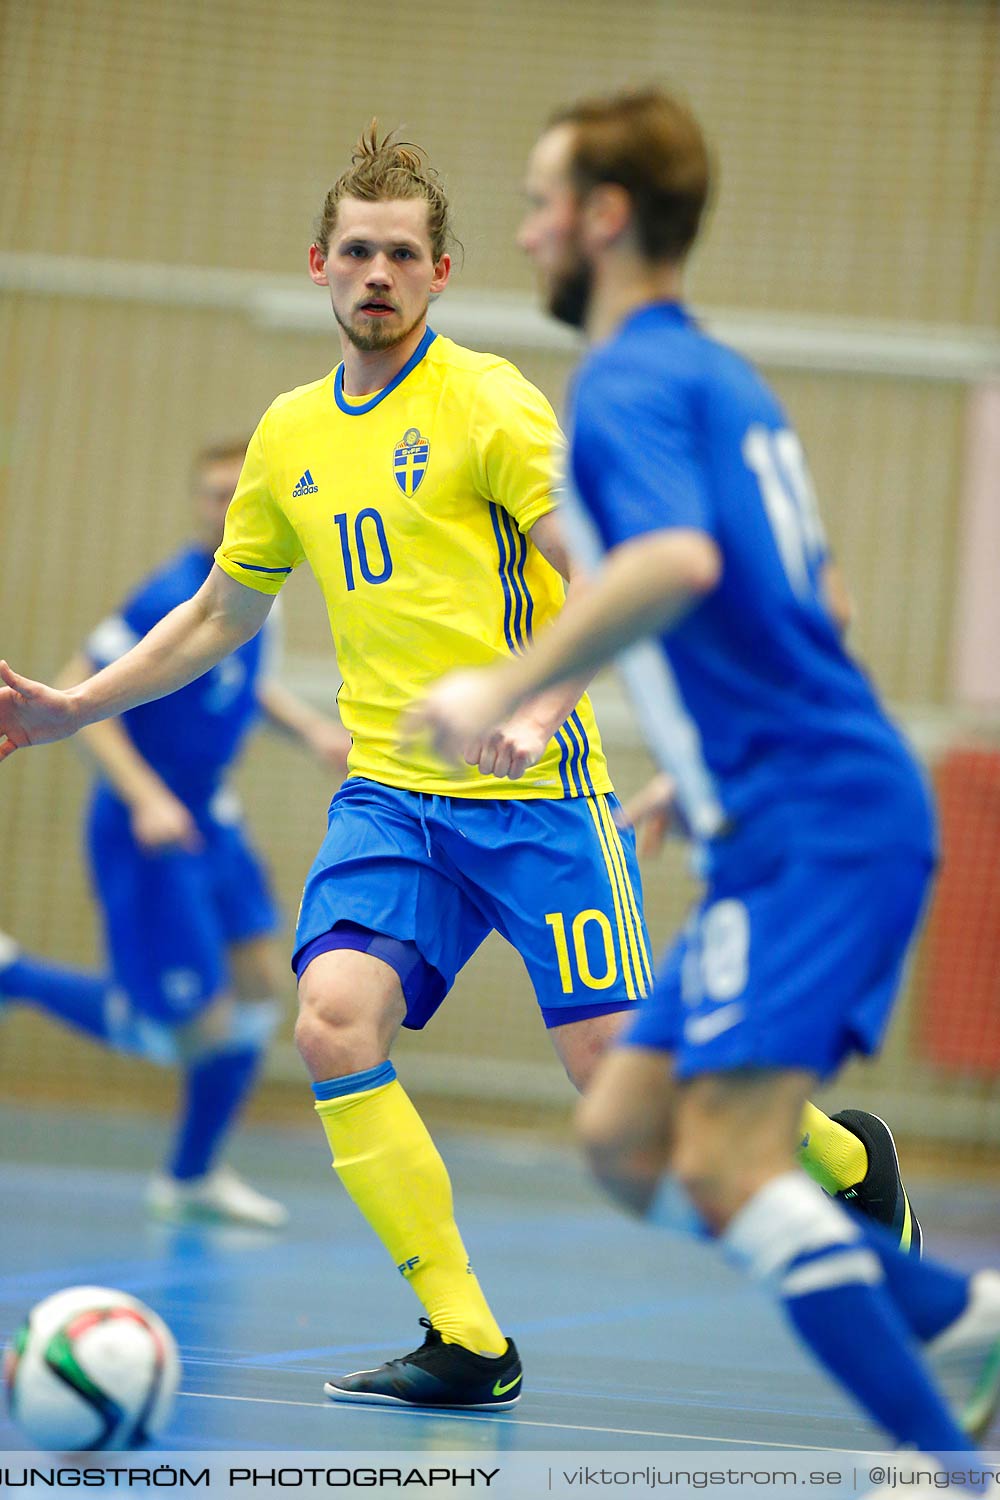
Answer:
x=220 y=1197
x=966 y=1357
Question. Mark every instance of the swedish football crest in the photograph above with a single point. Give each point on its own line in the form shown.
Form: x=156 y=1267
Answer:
x=409 y=460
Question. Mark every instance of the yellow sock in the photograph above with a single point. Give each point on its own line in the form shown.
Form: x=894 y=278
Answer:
x=386 y=1160
x=832 y=1156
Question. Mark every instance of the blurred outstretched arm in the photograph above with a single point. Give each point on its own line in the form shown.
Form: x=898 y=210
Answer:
x=186 y=643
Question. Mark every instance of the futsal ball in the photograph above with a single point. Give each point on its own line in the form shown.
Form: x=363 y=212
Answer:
x=91 y=1368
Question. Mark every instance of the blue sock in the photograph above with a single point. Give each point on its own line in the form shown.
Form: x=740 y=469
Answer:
x=929 y=1295
x=73 y=995
x=832 y=1287
x=215 y=1087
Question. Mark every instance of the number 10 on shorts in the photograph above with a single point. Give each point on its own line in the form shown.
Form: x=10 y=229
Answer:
x=578 y=930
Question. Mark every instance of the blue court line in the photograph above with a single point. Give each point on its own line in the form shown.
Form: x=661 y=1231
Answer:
x=321 y=1351
x=682 y=1302
x=170 y=1272
x=710 y=1400
x=500 y=1420
x=176 y=1272
x=481 y=1216
x=279 y=1364
x=687 y=1398
x=126 y=1276
x=525 y=1326
x=181 y=1273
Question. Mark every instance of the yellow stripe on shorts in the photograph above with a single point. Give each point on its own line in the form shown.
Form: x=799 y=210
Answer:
x=644 y=967
x=623 y=948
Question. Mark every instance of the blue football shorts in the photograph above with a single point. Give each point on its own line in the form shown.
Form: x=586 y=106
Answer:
x=169 y=918
x=419 y=881
x=795 y=968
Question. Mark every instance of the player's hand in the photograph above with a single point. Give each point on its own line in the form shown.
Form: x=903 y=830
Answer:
x=510 y=749
x=330 y=743
x=160 y=822
x=460 y=712
x=32 y=713
x=651 y=812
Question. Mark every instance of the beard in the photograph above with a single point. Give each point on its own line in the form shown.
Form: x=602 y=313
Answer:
x=570 y=292
x=378 y=334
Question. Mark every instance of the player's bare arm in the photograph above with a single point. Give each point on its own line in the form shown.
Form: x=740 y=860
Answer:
x=838 y=596
x=323 y=737
x=186 y=643
x=645 y=586
x=555 y=706
x=159 y=819
x=652 y=812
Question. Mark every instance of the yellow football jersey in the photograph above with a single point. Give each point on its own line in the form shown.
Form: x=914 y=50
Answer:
x=412 y=508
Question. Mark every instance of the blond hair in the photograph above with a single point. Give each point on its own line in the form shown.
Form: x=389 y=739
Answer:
x=383 y=170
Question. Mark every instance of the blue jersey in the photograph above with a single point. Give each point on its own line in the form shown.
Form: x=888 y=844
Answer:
x=775 y=733
x=191 y=736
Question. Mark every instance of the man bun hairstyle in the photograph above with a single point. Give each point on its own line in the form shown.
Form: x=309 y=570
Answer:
x=385 y=169
x=650 y=144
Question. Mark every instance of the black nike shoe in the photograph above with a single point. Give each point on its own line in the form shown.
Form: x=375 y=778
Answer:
x=880 y=1194
x=437 y=1374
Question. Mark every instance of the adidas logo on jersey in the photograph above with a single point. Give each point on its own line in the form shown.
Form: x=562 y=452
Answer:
x=306 y=486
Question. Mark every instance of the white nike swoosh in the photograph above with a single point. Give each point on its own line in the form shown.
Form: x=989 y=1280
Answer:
x=704 y=1028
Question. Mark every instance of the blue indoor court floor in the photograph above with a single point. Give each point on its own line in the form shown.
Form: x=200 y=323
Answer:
x=630 y=1339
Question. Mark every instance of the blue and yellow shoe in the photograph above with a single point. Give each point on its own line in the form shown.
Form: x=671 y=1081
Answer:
x=880 y=1194
x=437 y=1374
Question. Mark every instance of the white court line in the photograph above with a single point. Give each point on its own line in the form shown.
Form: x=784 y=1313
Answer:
x=462 y=1416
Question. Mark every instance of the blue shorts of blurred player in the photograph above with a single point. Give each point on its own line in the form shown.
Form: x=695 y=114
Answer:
x=171 y=917
x=794 y=967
